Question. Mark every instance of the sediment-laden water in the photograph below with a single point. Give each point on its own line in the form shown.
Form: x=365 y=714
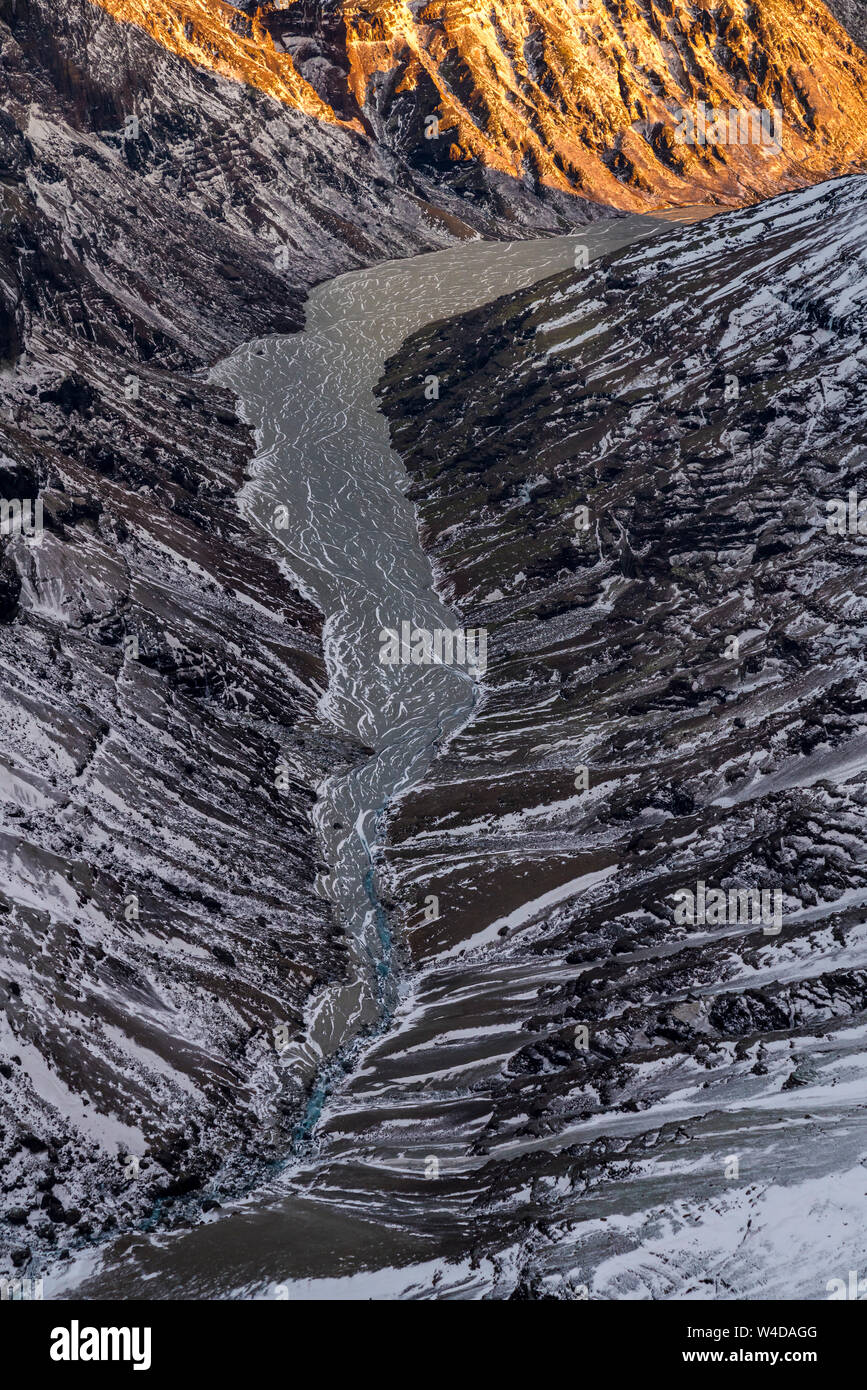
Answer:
x=331 y=493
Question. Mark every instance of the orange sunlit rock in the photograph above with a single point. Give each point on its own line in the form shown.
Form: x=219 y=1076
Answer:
x=587 y=96
x=215 y=35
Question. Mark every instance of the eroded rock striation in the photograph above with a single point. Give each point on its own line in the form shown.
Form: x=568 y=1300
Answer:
x=586 y=98
x=173 y=178
x=642 y=479
x=161 y=747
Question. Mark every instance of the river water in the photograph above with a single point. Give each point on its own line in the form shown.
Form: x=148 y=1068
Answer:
x=325 y=484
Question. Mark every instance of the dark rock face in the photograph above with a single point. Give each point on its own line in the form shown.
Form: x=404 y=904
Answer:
x=157 y=910
x=628 y=479
x=852 y=14
x=314 y=35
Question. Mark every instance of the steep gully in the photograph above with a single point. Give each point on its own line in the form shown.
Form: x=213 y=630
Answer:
x=330 y=492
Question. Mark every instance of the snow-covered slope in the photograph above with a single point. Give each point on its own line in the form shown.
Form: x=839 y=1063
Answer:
x=697 y=648
x=160 y=677
x=160 y=746
x=852 y=14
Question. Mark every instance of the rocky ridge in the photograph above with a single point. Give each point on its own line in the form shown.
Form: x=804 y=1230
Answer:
x=633 y=479
x=586 y=99
x=161 y=745
x=162 y=748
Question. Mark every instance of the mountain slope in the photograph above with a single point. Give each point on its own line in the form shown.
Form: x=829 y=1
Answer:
x=584 y=98
x=158 y=913
x=676 y=694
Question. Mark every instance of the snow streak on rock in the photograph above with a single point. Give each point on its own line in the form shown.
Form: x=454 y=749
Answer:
x=331 y=495
x=702 y=395
x=158 y=913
